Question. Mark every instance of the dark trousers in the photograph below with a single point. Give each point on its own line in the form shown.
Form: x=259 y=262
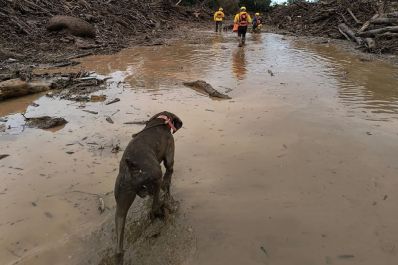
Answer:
x=218 y=26
x=242 y=32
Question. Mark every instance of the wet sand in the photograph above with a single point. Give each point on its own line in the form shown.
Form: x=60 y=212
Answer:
x=298 y=168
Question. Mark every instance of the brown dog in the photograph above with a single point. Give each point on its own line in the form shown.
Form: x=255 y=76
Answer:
x=140 y=172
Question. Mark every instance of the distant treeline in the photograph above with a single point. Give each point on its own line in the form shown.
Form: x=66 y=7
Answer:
x=231 y=6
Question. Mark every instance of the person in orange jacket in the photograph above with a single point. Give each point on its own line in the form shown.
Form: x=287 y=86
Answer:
x=218 y=18
x=242 y=19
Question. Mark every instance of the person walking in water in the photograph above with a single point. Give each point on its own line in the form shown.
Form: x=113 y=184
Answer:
x=242 y=19
x=218 y=18
x=257 y=23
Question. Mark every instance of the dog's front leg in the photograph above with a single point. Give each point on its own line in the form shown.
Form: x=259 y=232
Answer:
x=169 y=165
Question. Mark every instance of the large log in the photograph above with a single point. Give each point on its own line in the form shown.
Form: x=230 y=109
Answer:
x=385 y=20
x=374 y=32
x=393 y=14
x=348 y=32
x=17 y=88
x=76 y=26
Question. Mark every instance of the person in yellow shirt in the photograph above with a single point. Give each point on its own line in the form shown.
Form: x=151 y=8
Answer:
x=218 y=18
x=242 y=19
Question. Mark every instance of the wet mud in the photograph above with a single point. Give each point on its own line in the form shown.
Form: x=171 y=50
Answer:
x=298 y=167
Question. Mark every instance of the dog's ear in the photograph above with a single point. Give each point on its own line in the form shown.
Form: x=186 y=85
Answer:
x=177 y=122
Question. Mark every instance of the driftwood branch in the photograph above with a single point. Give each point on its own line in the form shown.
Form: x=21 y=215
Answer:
x=348 y=32
x=367 y=23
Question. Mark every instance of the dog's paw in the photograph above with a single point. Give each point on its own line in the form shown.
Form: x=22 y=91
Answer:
x=157 y=214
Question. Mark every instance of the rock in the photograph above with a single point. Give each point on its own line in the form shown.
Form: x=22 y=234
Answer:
x=95 y=98
x=76 y=26
x=207 y=88
x=45 y=122
x=109 y=119
x=16 y=88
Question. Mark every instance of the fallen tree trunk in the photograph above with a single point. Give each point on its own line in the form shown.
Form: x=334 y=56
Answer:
x=385 y=20
x=16 y=88
x=393 y=14
x=346 y=31
x=76 y=26
x=374 y=32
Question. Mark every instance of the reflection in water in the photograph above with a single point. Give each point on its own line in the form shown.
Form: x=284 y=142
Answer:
x=368 y=85
x=239 y=63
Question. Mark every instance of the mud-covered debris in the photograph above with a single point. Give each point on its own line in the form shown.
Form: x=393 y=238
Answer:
x=3 y=127
x=45 y=122
x=70 y=152
x=112 y=101
x=270 y=73
x=264 y=250
x=346 y=256
x=17 y=87
x=109 y=119
x=90 y=111
x=75 y=26
x=116 y=149
x=3 y=119
x=206 y=88
x=3 y=156
x=99 y=98
x=136 y=122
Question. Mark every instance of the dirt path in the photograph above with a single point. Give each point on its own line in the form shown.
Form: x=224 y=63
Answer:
x=299 y=167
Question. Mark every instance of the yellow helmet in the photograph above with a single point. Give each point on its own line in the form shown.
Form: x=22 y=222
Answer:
x=220 y=9
x=257 y=14
x=243 y=8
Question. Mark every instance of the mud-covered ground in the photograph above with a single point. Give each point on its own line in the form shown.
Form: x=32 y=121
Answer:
x=298 y=167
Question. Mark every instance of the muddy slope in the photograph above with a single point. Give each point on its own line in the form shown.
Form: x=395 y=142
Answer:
x=115 y=23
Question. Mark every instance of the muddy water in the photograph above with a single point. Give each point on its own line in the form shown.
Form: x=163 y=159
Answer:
x=298 y=168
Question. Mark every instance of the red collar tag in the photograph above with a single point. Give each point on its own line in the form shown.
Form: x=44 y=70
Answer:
x=169 y=122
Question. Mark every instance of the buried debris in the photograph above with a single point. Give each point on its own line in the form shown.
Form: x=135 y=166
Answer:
x=16 y=88
x=3 y=156
x=76 y=26
x=45 y=122
x=207 y=88
x=90 y=111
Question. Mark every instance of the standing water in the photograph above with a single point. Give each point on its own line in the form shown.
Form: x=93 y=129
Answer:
x=298 y=168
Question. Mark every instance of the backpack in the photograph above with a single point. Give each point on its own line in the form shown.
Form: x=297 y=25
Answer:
x=243 y=19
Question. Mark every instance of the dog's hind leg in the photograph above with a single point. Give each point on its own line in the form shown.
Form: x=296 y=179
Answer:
x=123 y=203
x=156 y=210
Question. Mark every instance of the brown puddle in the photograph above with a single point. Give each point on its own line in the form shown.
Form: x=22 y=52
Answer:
x=298 y=168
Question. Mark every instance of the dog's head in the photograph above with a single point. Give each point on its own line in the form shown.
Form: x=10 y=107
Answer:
x=177 y=122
